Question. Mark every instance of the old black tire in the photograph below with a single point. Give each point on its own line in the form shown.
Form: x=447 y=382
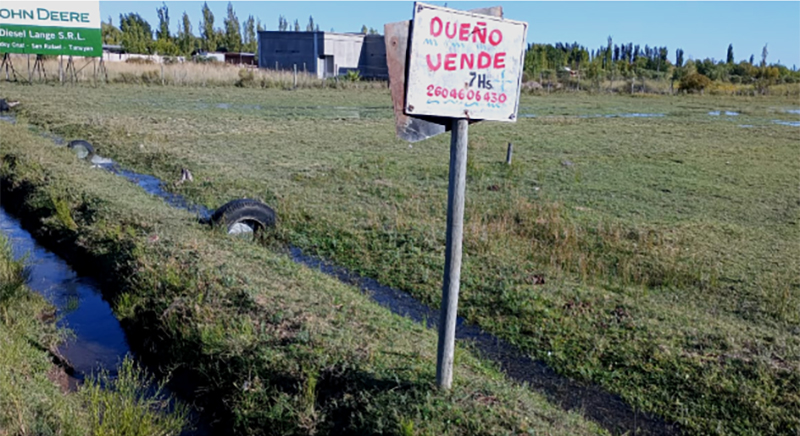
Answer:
x=82 y=148
x=235 y=216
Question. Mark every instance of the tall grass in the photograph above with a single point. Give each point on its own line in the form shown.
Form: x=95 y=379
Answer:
x=221 y=74
x=132 y=404
x=182 y=74
x=598 y=252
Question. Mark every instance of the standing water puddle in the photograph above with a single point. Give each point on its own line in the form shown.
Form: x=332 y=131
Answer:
x=787 y=123
x=607 y=410
x=586 y=116
x=99 y=341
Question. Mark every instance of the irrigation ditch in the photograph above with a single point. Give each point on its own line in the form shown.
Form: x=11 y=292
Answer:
x=606 y=409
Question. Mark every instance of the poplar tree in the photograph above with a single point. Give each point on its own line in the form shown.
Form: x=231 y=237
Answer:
x=209 y=40
x=233 y=37
x=163 y=22
x=137 y=36
x=250 y=38
x=111 y=34
x=185 y=39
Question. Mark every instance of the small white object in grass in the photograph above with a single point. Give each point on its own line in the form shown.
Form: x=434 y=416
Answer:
x=100 y=160
x=239 y=228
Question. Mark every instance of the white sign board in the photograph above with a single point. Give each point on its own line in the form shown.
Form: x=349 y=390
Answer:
x=464 y=65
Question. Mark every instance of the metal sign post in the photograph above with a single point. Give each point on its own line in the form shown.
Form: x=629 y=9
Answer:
x=458 y=68
x=456 y=193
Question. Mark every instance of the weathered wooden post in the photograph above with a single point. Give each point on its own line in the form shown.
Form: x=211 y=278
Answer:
x=453 y=80
x=509 y=153
x=295 y=77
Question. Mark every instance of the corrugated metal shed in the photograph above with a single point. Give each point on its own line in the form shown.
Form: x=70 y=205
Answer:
x=325 y=54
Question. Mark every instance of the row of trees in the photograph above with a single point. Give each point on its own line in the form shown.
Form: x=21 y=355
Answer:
x=629 y=61
x=135 y=34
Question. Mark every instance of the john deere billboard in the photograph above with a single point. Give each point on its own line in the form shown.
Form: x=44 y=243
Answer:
x=51 y=28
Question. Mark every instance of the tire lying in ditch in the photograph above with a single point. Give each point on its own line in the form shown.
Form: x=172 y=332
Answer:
x=244 y=216
x=81 y=148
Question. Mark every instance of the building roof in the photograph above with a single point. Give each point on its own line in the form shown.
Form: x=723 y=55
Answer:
x=321 y=31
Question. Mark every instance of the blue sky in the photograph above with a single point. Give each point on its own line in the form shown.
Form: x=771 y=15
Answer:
x=701 y=29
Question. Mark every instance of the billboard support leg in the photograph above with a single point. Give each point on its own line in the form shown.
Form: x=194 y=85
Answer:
x=38 y=67
x=102 y=70
x=7 y=64
x=71 y=72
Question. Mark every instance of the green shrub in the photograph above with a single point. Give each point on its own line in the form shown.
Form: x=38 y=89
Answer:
x=352 y=76
x=694 y=82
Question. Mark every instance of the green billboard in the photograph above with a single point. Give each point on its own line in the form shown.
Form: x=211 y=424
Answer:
x=51 y=28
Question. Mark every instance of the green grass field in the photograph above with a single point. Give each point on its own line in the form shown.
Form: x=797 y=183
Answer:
x=669 y=244
x=270 y=347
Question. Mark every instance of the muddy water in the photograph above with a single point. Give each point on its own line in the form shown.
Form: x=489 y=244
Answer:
x=606 y=409
x=151 y=185
x=99 y=342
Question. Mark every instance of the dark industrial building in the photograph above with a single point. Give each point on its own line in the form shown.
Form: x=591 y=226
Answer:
x=325 y=54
